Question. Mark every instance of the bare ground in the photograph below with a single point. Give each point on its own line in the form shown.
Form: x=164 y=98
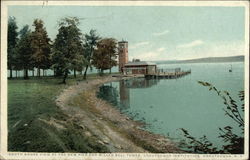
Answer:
x=113 y=129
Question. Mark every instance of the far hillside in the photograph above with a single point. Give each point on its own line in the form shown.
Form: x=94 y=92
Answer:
x=206 y=60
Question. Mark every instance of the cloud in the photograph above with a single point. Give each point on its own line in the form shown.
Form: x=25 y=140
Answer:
x=161 y=33
x=211 y=49
x=191 y=44
x=138 y=45
x=150 y=55
x=142 y=43
x=146 y=56
x=232 y=48
x=161 y=49
x=208 y=49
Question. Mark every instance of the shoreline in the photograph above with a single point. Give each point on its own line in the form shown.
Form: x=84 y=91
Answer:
x=115 y=130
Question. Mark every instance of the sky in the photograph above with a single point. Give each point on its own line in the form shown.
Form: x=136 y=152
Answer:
x=152 y=32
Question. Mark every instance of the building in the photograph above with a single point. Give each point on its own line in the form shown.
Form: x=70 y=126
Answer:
x=123 y=54
x=134 y=67
x=139 y=67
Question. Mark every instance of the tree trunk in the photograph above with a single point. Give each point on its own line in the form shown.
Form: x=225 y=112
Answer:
x=43 y=73
x=54 y=71
x=38 y=72
x=85 y=72
x=110 y=63
x=74 y=73
x=101 y=73
x=10 y=72
x=25 y=74
x=16 y=73
x=64 y=77
x=33 y=72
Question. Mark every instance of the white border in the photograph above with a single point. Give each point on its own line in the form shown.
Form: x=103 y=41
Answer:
x=247 y=80
x=130 y=3
x=32 y=155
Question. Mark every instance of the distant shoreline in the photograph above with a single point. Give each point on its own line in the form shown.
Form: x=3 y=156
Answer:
x=205 y=60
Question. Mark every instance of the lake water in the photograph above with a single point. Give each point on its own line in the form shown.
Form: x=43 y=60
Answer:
x=169 y=104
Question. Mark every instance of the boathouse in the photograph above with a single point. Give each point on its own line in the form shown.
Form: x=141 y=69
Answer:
x=139 y=67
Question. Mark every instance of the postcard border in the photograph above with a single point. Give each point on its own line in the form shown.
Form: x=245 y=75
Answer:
x=3 y=94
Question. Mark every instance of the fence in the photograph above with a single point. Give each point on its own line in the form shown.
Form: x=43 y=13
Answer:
x=168 y=70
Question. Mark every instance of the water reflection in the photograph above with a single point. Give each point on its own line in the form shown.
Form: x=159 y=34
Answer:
x=108 y=93
x=140 y=83
x=124 y=95
x=118 y=94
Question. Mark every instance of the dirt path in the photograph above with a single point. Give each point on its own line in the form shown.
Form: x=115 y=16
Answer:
x=114 y=130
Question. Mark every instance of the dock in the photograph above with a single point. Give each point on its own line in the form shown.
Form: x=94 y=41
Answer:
x=168 y=75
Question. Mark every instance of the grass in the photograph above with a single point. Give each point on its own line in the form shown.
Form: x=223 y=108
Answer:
x=30 y=105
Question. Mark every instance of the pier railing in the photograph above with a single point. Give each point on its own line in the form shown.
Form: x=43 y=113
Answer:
x=169 y=73
x=168 y=70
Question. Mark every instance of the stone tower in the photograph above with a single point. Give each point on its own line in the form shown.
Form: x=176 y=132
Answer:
x=123 y=54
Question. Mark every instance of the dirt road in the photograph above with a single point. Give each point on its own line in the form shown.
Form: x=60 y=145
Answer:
x=113 y=129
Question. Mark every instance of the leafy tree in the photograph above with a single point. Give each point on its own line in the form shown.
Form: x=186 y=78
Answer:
x=24 y=51
x=12 y=42
x=67 y=48
x=234 y=143
x=40 y=44
x=105 y=55
x=24 y=31
x=91 y=40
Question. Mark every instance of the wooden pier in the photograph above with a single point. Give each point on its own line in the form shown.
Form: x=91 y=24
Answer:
x=167 y=75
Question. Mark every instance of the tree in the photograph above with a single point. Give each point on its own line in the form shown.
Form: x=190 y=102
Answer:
x=24 y=51
x=67 y=48
x=12 y=42
x=105 y=55
x=90 y=45
x=234 y=143
x=40 y=44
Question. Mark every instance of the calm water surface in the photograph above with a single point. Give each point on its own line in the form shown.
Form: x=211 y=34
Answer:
x=167 y=105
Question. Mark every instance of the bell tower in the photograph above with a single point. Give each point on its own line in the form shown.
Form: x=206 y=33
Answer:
x=123 y=54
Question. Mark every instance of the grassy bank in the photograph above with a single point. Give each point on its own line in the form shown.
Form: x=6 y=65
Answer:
x=35 y=123
x=45 y=116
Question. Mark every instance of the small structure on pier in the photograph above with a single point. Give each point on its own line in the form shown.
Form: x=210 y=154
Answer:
x=139 y=67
